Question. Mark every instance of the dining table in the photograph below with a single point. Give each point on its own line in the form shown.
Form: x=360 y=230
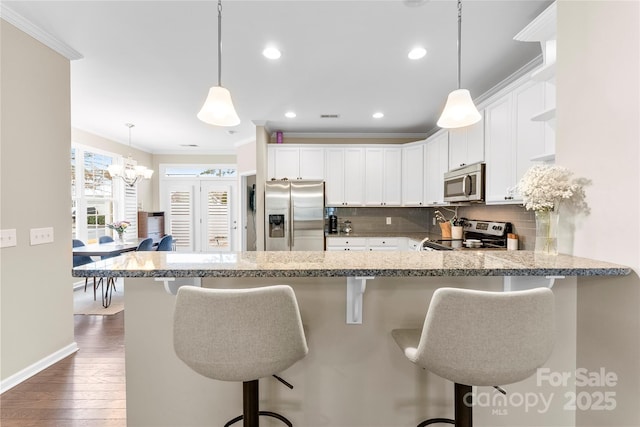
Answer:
x=109 y=249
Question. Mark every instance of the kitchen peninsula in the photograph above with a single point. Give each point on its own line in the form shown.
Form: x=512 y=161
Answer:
x=354 y=375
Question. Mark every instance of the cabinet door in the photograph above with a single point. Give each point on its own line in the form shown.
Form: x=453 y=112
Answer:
x=334 y=176
x=354 y=176
x=475 y=141
x=287 y=163
x=466 y=145
x=529 y=135
x=374 y=176
x=436 y=164
x=499 y=150
x=311 y=163
x=413 y=175
x=457 y=148
x=392 y=177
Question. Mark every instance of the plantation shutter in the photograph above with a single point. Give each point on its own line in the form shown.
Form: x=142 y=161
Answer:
x=180 y=217
x=131 y=210
x=217 y=217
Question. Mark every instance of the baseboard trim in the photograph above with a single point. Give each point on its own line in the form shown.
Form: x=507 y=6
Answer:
x=39 y=366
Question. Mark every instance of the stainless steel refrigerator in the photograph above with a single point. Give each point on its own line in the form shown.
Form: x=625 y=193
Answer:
x=294 y=216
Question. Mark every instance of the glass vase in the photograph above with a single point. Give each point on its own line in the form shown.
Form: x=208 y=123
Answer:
x=547 y=232
x=120 y=237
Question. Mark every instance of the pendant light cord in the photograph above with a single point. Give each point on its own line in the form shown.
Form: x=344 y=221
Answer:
x=220 y=43
x=459 y=38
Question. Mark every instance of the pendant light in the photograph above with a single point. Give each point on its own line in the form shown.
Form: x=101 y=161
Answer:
x=218 y=108
x=459 y=111
x=130 y=174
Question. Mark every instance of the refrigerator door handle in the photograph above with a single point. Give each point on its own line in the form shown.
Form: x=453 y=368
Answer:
x=291 y=225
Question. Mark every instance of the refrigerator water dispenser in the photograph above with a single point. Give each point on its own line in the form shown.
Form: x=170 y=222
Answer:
x=276 y=226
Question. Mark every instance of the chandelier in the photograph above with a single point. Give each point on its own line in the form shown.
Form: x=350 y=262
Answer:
x=129 y=173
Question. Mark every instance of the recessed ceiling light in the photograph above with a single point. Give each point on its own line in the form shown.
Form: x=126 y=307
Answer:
x=271 y=53
x=417 y=53
x=290 y=114
x=378 y=115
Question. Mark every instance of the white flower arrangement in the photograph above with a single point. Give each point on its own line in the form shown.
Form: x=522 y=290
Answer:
x=543 y=187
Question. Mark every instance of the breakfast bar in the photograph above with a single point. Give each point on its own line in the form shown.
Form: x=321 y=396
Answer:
x=354 y=375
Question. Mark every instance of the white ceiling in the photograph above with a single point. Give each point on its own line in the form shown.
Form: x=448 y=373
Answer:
x=151 y=63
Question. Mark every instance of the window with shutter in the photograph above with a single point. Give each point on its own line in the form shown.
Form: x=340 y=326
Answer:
x=217 y=217
x=180 y=217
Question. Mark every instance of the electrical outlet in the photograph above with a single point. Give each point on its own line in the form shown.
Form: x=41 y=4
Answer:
x=40 y=236
x=388 y=220
x=433 y=221
x=8 y=238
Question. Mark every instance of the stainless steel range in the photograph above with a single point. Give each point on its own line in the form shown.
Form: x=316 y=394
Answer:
x=478 y=234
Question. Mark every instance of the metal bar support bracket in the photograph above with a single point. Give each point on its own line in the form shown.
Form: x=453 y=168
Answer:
x=355 y=292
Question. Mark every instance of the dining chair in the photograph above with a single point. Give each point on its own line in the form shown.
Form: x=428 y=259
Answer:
x=108 y=239
x=480 y=338
x=166 y=243
x=145 y=245
x=82 y=260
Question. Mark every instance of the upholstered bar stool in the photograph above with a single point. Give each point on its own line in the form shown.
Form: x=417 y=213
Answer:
x=479 y=338
x=239 y=335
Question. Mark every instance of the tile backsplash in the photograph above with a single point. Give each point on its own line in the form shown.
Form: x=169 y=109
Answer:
x=418 y=220
x=371 y=220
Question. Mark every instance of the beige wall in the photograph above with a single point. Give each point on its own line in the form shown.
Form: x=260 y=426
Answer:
x=598 y=119
x=246 y=157
x=36 y=303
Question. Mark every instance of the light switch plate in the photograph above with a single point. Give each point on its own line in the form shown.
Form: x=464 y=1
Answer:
x=40 y=236
x=8 y=238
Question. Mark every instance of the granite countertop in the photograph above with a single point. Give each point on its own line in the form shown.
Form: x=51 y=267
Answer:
x=345 y=264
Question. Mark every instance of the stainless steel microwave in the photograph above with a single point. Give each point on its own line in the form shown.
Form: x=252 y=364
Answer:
x=465 y=184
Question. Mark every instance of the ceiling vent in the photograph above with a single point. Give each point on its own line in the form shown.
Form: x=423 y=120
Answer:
x=329 y=116
x=188 y=145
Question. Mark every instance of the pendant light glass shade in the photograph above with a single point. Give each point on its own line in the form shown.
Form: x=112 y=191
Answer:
x=459 y=110
x=218 y=108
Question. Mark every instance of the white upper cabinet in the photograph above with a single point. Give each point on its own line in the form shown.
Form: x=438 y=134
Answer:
x=436 y=161
x=296 y=162
x=383 y=176
x=466 y=145
x=413 y=174
x=543 y=30
x=511 y=140
x=344 y=176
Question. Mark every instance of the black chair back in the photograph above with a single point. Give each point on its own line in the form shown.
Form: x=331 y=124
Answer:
x=145 y=245
x=166 y=243
x=80 y=259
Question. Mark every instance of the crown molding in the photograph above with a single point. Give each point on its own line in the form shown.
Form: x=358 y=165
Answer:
x=542 y=28
x=348 y=135
x=21 y=23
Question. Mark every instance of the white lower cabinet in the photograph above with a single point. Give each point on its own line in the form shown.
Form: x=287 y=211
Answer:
x=346 y=243
x=384 y=243
x=367 y=243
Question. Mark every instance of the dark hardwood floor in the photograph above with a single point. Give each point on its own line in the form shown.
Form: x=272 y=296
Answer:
x=86 y=389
